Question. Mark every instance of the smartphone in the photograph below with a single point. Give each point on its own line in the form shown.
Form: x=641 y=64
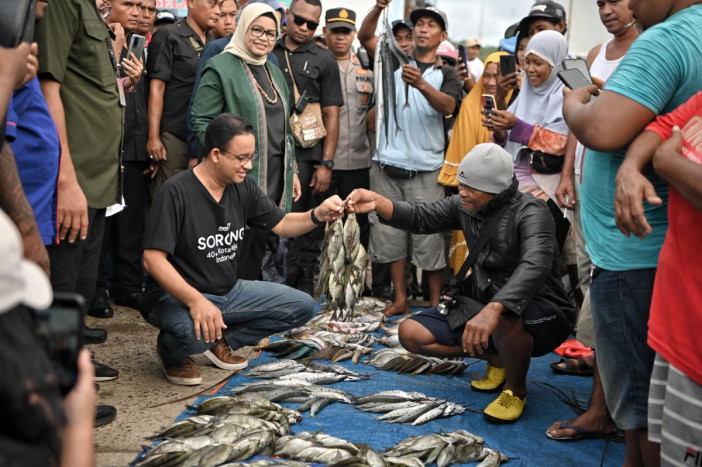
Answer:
x=508 y=64
x=16 y=22
x=573 y=78
x=60 y=330
x=463 y=56
x=136 y=46
x=488 y=104
x=577 y=64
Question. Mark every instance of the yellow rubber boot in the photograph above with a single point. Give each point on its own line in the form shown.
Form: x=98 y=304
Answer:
x=505 y=409
x=492 y=381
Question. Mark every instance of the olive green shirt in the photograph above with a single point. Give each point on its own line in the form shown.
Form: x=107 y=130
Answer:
x=74 y=49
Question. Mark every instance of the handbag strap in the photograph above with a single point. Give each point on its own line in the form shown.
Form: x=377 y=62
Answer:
x=485 y=235
x=297 y=93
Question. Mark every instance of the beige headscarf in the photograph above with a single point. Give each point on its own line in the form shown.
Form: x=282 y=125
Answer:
x=237 y=46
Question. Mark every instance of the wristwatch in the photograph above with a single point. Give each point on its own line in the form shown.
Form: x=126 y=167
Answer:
x=329 y=164
x=315 y=221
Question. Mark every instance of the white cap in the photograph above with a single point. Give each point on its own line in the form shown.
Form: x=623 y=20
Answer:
x=21 y=281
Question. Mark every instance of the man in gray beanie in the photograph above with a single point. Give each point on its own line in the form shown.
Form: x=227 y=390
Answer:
x=513 y=305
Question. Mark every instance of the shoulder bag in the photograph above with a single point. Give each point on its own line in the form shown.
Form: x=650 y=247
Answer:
x=307 y=127
x=461 y=308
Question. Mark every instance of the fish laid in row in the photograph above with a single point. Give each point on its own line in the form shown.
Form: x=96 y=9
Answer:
x=408 y=407
x=398 y=359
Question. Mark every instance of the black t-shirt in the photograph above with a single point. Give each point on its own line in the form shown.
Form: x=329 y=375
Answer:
x=174 y=52
x=317 y=72
x=202 y=236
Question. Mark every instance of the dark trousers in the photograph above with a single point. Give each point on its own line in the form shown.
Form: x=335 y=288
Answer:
x=304 y=250
x=74 y=266
x=124 y=233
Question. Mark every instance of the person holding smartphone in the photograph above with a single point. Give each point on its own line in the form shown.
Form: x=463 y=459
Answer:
x=533 y=130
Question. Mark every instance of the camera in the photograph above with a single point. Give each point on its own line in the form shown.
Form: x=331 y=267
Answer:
x=446 y=301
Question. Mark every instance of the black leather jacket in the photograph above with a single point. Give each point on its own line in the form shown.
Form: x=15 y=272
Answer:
x=518 y=263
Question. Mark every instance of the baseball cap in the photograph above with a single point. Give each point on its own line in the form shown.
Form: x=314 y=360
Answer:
x=402 y=23
x=165 y=16
x=472 y=43
x=447 y=50
x=21 y=281
x=340 y=18
x=543 y=9
x=432 y=12
x=487 y=167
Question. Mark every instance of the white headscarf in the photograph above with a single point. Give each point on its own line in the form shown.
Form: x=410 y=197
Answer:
x=237 y=46
x=542 y=105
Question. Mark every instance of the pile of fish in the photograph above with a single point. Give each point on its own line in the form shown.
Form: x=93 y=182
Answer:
x=245 y=425
x=310 y=344
x=457 y=447
x=311 y=372
x=388 y=58
x=320 y=448
x=343 y=269
x=398 y=359
x=408 y=407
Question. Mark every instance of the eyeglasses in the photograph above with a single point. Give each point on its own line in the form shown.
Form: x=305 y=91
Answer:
x=299 y=20
x=243 y=160
x=258 y=31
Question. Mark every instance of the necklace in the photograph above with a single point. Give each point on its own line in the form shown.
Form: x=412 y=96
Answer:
x=263 y=93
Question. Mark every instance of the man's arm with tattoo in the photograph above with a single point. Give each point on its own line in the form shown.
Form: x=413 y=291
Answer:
x=14 y=202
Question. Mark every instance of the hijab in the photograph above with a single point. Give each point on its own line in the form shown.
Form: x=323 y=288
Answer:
x=237 y=46
x=468 y=130
x=542 y=105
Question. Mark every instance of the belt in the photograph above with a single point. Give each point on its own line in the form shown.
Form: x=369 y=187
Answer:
x=398 y=172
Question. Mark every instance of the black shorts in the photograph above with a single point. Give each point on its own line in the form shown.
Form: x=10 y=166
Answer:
x=547 y=325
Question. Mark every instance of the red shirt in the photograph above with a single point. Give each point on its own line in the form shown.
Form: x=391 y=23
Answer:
x=675 y=323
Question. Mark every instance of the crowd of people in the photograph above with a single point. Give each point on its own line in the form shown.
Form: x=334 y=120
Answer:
x=192 y=180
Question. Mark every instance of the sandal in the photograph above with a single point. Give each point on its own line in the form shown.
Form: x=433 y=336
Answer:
x=582 y=433
x=573 y=366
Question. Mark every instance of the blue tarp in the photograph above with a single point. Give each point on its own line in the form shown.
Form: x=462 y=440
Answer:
x=524 y=441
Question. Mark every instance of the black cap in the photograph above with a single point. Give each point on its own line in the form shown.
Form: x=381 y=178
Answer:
x=402 y=23
x=431 y=12
x=543 y=9
x=165 y=17
x=340 y=18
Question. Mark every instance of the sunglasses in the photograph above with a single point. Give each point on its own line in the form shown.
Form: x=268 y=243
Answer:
x=299 y=20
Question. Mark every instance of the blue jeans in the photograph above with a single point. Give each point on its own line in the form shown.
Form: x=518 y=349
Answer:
x=251 y=310
x=620 y=307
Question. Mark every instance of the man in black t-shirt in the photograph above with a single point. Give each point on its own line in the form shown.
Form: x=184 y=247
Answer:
x=191 y=246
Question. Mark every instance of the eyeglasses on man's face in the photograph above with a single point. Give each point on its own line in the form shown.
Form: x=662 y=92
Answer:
x=243 y=160
x=257 y=32
x=299 y=20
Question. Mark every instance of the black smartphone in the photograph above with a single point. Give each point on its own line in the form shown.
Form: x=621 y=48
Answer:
x=462 y=55
x=573 y=78
x=508 y=64
x=136 y=46
x=488 y=104
x=577 y=64
x=16 y=22
x=59 y=327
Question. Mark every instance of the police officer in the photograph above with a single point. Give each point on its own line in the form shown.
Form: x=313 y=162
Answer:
x=353 y=151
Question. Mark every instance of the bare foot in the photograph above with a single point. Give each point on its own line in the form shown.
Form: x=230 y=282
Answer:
x=592 y=423
x=397 y=309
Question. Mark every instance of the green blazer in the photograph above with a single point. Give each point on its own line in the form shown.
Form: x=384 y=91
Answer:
x=227 y=85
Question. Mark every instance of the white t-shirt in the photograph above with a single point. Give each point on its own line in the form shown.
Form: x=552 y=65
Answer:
x=476 y=68
x=601 y=68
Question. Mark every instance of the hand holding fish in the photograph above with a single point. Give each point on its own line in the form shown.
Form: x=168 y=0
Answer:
x=477 y=332
x=412 y=76
x=330 y=210
x=361 y=201
x=382 y=4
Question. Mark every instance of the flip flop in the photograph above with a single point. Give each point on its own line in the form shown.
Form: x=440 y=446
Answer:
x=582 y=433
x=573 y=366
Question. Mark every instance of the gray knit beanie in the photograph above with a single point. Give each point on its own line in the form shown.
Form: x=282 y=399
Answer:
x=487 y=168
